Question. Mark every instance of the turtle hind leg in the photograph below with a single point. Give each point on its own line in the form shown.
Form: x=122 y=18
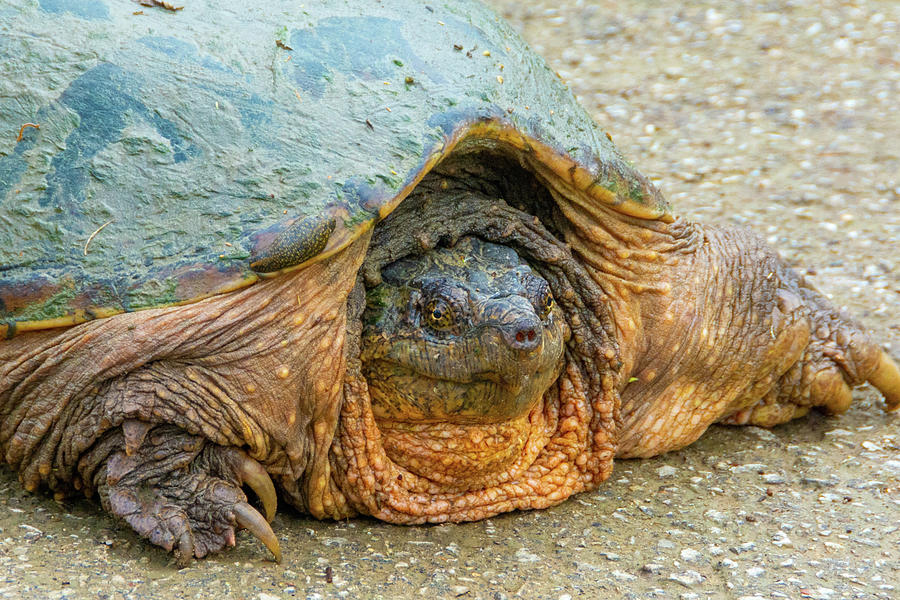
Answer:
x=183 y=493
x=838 y=357
x=746 y=340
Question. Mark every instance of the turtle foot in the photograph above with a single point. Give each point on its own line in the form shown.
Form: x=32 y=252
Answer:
x=839 y=357
x=184 y=494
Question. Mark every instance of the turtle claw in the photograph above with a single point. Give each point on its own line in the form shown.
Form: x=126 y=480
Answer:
x=250 y=519
x=886 y=379
x=254 y=475
x=184 y=554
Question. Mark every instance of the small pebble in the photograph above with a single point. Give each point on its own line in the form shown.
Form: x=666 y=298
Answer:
x=666 y=472
x=664 y=545
x=818 y=482
x=890 y=466
x=763 y=434
x=715 y=515
x=839 y=433
x=745 y=547
x=688 y=578
x=782 y=540
x=610 y=556
x=691 y=555
x=748 y=468
x=773 y=478
x=333 y=542
x=524 y=556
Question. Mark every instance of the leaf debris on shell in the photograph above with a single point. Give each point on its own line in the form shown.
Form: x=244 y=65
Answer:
x=160 y=4
x=24 y=127
x=96 y=231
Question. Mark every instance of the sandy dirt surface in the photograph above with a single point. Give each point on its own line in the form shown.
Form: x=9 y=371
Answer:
x=781 y=116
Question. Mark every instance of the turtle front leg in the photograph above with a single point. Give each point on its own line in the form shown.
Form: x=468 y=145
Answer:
x=180 y=491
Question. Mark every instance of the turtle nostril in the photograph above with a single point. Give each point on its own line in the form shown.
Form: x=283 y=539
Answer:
x=524 y=338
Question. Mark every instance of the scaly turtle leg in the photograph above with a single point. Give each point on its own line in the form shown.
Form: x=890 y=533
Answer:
x=715 y=327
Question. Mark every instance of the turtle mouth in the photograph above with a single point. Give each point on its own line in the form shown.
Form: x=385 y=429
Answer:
x=481 y=377
x=402 y=394
x=510 y=381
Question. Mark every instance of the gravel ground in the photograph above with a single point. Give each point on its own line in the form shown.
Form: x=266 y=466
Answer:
x=781 y=116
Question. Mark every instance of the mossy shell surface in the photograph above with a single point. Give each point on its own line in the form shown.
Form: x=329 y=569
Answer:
x=178 y=154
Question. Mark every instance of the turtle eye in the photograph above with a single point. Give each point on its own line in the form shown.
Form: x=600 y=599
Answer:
x=538 y=292
x=438 y=314
x=546 y=304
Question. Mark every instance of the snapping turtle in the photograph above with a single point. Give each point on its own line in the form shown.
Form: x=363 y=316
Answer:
x=378 y=256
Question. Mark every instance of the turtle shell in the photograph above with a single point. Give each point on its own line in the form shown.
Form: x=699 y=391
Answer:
x=151 y=157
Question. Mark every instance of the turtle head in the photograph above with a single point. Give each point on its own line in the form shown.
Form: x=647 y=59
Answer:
x=457 y=341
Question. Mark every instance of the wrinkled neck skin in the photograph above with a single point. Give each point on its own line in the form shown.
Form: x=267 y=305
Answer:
x=563 y=445
x=633 y=260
